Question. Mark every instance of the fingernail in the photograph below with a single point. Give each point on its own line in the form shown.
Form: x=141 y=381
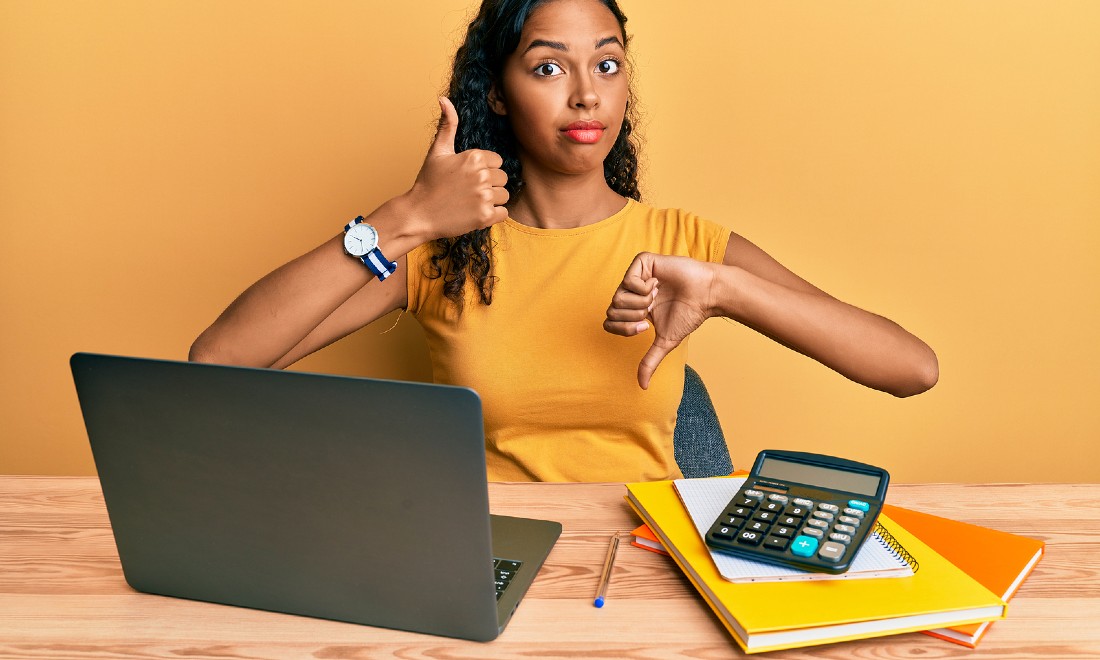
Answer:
x=642 y=327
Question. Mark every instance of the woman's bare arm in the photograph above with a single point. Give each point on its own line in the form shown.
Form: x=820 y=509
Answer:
x=677 y=294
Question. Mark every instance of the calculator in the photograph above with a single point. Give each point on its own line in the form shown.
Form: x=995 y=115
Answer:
x=807 y=511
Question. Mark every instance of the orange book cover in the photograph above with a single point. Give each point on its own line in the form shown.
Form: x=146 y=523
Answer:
x=644 y=538
x=998 y=560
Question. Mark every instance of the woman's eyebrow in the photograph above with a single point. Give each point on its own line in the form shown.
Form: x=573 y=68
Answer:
x=609 y=40
x=558 y=45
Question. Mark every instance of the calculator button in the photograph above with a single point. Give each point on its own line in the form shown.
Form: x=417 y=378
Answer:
x=831 y=508
x=775 y=507
x=783 y=530
x=845 y=529
x=802 y=501
x=820 y=524
x=859 y=504
x=755 y=494
x=776 y=542
x=782 y=499
x=848 y=520
x=804 y=546
x=766 y=516
x=740 y=512
x=732 y=521
x=840 y=538
x=789 y=520
x=750 y=538
x=831 y=551
x=797 y=511
x=745 y=502
x=813 y=531
x=723 y=533
x=853 y=512
x=758 y=526
x=823 y=515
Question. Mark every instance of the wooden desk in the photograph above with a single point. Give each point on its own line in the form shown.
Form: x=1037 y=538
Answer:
x=62 y=593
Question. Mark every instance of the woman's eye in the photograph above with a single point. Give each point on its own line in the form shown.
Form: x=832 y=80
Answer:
x=547 y=69
x=608 y=66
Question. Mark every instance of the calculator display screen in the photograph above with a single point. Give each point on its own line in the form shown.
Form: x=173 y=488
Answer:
x=816 y=475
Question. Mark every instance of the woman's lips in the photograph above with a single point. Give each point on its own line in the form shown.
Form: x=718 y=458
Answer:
x=584 y=135
x=584 y=132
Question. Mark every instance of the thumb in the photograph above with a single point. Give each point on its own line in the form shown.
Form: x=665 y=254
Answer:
x=652 y=358
x=444 y=142
x=639 y=275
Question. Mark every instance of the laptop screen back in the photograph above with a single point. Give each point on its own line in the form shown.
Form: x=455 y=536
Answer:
x=345 y=498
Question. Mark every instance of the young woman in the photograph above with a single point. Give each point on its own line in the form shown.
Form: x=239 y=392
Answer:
x=539 y=277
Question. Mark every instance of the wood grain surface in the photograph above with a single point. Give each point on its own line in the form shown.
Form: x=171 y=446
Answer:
x=62 y=593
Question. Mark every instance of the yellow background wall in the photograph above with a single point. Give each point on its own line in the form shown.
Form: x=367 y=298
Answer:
x=937 y=162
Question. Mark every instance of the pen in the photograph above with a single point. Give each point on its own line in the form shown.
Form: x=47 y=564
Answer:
x=605 y=579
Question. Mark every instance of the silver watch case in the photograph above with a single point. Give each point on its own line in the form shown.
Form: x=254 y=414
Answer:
x=360 y=239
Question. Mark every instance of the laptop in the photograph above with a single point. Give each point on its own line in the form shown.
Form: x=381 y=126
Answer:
x=353 y=499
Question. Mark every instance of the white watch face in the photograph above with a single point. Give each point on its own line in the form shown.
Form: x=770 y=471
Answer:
x=360 y=239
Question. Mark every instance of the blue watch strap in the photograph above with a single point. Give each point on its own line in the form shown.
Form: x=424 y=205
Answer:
x=378 y=264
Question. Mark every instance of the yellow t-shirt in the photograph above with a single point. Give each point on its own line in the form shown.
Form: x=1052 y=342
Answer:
x=560 y=394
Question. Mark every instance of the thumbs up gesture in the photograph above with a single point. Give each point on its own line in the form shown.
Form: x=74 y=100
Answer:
x=674 y=294
x=455 y=193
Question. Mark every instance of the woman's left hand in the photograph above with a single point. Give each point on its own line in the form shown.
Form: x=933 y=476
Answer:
x=675 y=294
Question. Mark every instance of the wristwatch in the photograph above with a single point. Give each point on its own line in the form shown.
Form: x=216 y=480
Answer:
x=361 y=242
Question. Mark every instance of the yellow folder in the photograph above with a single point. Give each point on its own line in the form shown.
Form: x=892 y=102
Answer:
x=768 y=616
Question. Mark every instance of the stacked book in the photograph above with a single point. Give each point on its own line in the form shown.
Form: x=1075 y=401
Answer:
x=918 y=572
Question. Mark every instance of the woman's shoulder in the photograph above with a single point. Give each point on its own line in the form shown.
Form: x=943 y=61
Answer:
x=676 y=219
x=671 y=215
x=421 y=276
x=676 y=230
x=419 y=258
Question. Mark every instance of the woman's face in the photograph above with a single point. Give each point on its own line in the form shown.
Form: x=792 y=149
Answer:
x=565 y=87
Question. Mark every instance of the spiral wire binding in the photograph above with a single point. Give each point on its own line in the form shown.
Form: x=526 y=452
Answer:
x=895 y=547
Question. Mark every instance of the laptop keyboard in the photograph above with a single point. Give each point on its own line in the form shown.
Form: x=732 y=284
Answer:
x=504 y=570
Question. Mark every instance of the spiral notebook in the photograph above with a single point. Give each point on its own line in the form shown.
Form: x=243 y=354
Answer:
x=705 y=499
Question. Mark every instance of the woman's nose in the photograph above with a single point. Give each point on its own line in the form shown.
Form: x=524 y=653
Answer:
x=584 y=94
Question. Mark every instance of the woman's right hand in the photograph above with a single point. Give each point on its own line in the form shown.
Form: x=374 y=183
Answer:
x=325 y=294
x=455 y=193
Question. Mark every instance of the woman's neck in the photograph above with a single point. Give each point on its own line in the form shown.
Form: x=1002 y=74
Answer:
x=564 y=202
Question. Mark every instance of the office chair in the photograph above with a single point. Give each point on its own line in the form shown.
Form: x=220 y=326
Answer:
x=698 y=443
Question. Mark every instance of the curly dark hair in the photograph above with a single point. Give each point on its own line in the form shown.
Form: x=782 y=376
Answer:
x=491 y=37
